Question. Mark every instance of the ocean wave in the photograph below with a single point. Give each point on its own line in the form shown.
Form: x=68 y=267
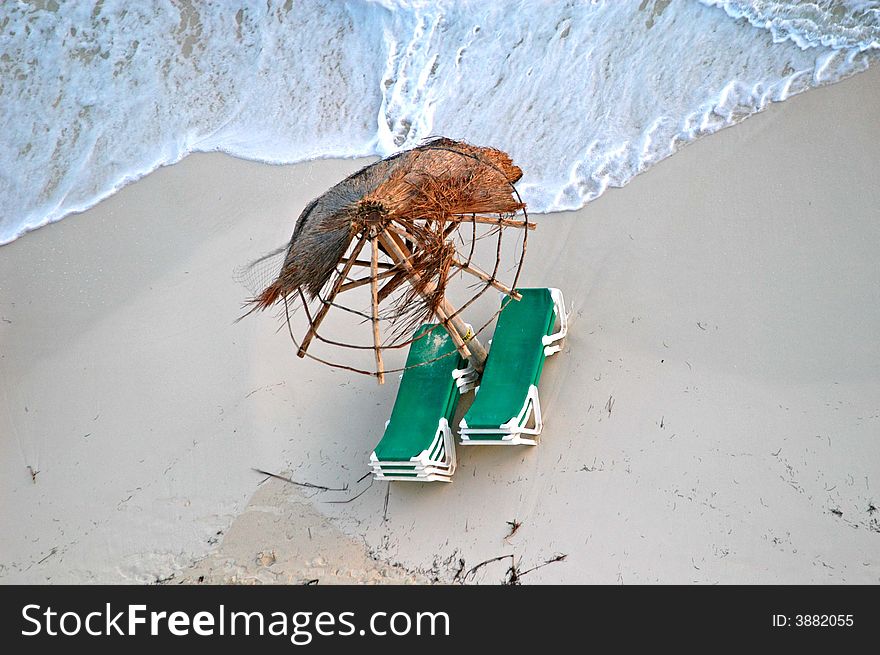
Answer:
x=839 y=24
x=584 y=95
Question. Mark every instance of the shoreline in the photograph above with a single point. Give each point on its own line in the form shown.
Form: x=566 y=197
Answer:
x=712 y=412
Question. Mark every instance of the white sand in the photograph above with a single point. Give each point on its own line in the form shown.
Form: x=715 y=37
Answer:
x=713 y=418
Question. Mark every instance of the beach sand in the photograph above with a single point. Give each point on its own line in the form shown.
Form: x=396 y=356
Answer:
x=712 y=418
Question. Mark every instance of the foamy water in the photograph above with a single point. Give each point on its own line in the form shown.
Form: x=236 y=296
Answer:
x=584 y=95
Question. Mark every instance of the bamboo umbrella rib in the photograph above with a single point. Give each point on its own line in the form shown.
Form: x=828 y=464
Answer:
x=374 y=288
x=382 y=265
x=354 y=284
x=319 y=317
x=504 y=222
x=390 y=286
x=476 y=271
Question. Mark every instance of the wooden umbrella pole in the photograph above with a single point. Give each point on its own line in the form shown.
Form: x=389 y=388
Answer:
x=374 y=288
x=468 y=345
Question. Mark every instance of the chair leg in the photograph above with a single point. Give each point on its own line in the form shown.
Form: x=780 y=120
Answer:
x=449 y=444
x=531 y=410
x=535 y=413
x=562 y=316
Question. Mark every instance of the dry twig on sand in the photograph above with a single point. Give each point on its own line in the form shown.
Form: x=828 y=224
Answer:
x=308 y=485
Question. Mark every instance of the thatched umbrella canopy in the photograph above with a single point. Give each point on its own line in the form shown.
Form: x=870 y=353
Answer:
x=406 y=211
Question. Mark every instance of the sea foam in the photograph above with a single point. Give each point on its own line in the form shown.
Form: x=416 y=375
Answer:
x=583 y=95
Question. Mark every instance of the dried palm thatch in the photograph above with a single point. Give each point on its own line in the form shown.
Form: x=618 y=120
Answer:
x=408 y=209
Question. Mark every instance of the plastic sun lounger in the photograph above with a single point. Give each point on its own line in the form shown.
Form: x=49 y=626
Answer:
x=418 y=444
x=434 y=463
x=438 y=456
x=439 y=462
x=507 y=398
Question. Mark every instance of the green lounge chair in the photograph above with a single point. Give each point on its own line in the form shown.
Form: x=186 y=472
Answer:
x=418 y=444
x=507 y=399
